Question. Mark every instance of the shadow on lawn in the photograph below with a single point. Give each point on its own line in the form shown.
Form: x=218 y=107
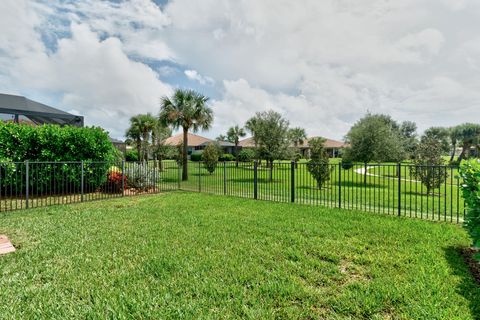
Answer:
x=467 y=287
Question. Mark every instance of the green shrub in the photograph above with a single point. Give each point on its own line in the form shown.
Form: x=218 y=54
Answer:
x=226 y=157
x=246 y=155
x=131 y=155
x=196 y=157
x=318 y=165
x=470 y=172
x=210 y=157
x=52 y=143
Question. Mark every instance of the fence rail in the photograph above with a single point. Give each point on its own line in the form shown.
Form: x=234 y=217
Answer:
x=426 y=192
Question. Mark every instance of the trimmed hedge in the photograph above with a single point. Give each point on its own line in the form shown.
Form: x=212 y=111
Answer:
x=246 y=155
x=196 y=157
x=52 y=143
x=226 y=157
x=470 y=172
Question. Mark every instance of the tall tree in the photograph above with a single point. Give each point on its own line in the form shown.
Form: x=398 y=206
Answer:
x=146 y=124
x=187 y=110
x=270 y=133
x=408 y=132
x=375 y=137
x=233 y=135
x=441 y=134
x=134 y=132
x=454 y=133
x=297 y=136
x=160 y=132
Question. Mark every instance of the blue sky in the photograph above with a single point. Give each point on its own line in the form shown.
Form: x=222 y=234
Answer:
x=322 y=64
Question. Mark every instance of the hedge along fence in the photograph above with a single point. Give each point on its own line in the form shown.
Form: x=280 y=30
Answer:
x=470 y=172
x=47 y=145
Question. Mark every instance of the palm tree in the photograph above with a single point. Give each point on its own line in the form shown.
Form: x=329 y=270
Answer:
x=134 y=133
x=160 y=132
x=297 y=136
x=221 y=137
x=233 y=135
x=186 y=109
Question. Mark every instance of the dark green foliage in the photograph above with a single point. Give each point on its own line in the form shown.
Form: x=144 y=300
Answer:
x=226 y=157
x=53 y=143
x=131 y=155
x=318 y=164
x=441 y=134
x=210 y=157
x=196 y=156
x=375 y=137
x=428 y=166
x=246 y=155
x=470 y=172
x=408 y=132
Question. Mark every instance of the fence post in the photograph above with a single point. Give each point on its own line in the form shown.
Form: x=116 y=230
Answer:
x=399 y=168
x=224 y=177
x=340 y=184
x=255 y=180
x=199 y=178
x=123 y=178
x=292 y=181
x=27 y=182
x=82 y=181
x=179 y=174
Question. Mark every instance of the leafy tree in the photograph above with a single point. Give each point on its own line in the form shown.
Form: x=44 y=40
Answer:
x=270 y=133
x=187 y=110
x=318 y=164
x=470 y=172
x=233 y=135
x=441 y=134
x=375 y=137
x=428 y=163
x=408 y=132
x=210 y=157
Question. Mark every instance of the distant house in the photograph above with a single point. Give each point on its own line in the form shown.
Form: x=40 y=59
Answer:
x=197 y=143
x=119 y=145
x=333 y=147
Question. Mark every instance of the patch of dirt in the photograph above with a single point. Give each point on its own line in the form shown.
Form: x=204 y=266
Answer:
x=473 y=264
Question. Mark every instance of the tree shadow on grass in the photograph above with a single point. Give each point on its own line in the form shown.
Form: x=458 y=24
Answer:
x=467 y=287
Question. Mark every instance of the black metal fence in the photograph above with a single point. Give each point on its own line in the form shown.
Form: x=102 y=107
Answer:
x=427 y=192
x=37 y=184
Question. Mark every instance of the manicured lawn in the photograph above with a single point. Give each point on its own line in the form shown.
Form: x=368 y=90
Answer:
x=197 y=256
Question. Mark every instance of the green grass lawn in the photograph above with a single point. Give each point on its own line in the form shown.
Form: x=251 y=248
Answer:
x=196 y=256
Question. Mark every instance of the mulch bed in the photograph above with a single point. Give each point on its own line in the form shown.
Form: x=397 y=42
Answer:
x=473 y=264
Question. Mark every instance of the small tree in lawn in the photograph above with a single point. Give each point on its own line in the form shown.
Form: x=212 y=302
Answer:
x=270 y=134
x=318 y=164
x=210 y=157
x=428 y=164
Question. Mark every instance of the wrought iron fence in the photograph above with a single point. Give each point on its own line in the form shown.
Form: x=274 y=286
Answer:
x=426 y=192
x=37 y=184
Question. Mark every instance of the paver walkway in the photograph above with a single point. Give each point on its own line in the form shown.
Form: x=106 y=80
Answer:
x=5 y=245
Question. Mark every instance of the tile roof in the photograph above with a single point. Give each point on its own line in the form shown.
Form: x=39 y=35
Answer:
x=193 y=140
x=329 y=143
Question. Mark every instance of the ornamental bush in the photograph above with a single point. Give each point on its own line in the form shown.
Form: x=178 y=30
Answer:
x=51 y=144
x=318 y=166
x=226 y=157
x=210 y=157
x=470 y=172
x=141 y=176
x=196 y=157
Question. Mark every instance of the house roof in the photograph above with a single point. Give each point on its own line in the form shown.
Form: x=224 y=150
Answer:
x=329 y=143
x=220 y=143
x=193 y=140
x=247 y=143
x=37 y=112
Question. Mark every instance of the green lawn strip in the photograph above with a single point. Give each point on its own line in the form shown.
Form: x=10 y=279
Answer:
x=187 y=255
